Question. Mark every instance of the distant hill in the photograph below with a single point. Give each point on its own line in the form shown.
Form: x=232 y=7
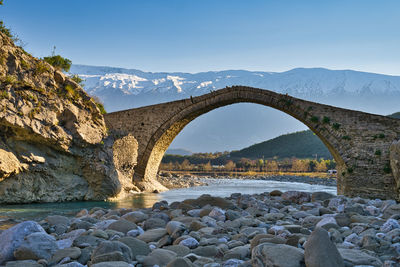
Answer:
x=179 y=151
x=395 y=115
x=302 y=144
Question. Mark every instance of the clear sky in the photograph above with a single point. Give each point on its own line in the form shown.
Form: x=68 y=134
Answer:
x=202 y=35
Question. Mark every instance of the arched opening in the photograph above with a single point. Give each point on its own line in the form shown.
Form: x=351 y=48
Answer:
x=165 y=134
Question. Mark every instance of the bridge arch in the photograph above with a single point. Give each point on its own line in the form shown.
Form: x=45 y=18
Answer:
x=350 y=136
x=163 y=137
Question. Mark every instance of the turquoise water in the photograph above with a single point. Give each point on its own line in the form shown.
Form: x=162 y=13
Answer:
x=11 y=214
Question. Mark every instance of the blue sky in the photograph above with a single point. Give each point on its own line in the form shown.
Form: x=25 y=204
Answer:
x=202 y=35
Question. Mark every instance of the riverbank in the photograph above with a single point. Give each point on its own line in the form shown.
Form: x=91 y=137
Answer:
x=176 y=180
x=281 y=229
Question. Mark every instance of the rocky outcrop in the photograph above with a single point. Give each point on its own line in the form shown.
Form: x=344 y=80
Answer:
x=54 y=144
x=395 y=162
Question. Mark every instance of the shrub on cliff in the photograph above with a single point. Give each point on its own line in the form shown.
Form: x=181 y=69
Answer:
x=77 y=79
x=59 y=62
x=99 y=104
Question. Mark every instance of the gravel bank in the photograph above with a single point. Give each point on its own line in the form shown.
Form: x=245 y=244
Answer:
x=270 y=229
x=172 y=181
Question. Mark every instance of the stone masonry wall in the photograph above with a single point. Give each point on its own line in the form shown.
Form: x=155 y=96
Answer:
x=359 y=142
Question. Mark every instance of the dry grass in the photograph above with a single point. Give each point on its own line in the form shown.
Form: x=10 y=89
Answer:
x=253 y=173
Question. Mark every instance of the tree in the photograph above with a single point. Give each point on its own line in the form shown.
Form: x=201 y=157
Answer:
x=260 y=164
x=299 y=165
x=185 y=165
x=321 y=166
x=230 y=165
x=59 y=62
x=272 y=166
x=207 y=167
x=312 y=165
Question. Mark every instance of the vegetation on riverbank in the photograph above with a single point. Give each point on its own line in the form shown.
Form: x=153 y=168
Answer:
x=222 y=162
x=241 y=174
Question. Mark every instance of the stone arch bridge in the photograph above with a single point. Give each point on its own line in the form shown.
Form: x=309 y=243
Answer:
x=361 y=143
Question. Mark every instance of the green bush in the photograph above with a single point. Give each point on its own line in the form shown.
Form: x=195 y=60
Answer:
x=336 y=126
x=41 y=68
x=99 y=104
x=326 y=119
x=387 y=168
x=77 y=79
x=101 y=107
x=59 y=62
x=10 y=79
x=4 y=94
x=5 y=30
x=314 y=119
x=24 y=64
x=378 y=152
x=71 y=92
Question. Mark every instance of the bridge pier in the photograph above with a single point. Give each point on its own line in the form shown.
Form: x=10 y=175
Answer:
x=359 y=142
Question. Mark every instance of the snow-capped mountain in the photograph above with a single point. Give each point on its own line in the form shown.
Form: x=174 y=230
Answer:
x=137 y=88
x=122 y=89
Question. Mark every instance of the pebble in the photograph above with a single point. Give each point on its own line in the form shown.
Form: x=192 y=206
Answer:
x=240 y=230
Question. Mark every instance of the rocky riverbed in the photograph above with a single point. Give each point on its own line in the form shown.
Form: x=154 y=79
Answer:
x=269 y=229
x=173 y=180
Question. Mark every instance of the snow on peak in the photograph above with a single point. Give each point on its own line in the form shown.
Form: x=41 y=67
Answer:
x=176 y=80
x=204 y=84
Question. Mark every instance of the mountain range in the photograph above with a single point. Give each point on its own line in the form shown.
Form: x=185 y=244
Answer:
x=240 y=125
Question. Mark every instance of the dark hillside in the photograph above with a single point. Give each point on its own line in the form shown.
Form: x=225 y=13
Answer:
x=395 y=115
x=302 y=144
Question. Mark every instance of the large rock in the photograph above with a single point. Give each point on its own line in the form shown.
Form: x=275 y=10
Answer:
x=320 y=251
x=138 y=247
x=12 y=238
x=36 y=246
x=181 y=251
x=24 y=263
x=181 y=262
x=296 y=196
x=160 y=257
x=357 y=257
x=206 y=251
x=122 y=226
x=391 y=210
x=327 y=223
x=112 y=264
x=153 y=223
x=54 y=144
x=321 y=196
x=135 y=216
x=72 y=253
x=111 y=251
x=209 y=200
x=9 y=164
x=152 y=235
x=268 y=254
x=173 y=226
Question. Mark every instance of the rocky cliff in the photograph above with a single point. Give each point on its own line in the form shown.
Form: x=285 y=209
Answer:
x=53 y=140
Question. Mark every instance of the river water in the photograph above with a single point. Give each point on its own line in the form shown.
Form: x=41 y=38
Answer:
x=11 y=214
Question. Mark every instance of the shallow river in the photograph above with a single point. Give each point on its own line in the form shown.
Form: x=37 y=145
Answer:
x=9 y=214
